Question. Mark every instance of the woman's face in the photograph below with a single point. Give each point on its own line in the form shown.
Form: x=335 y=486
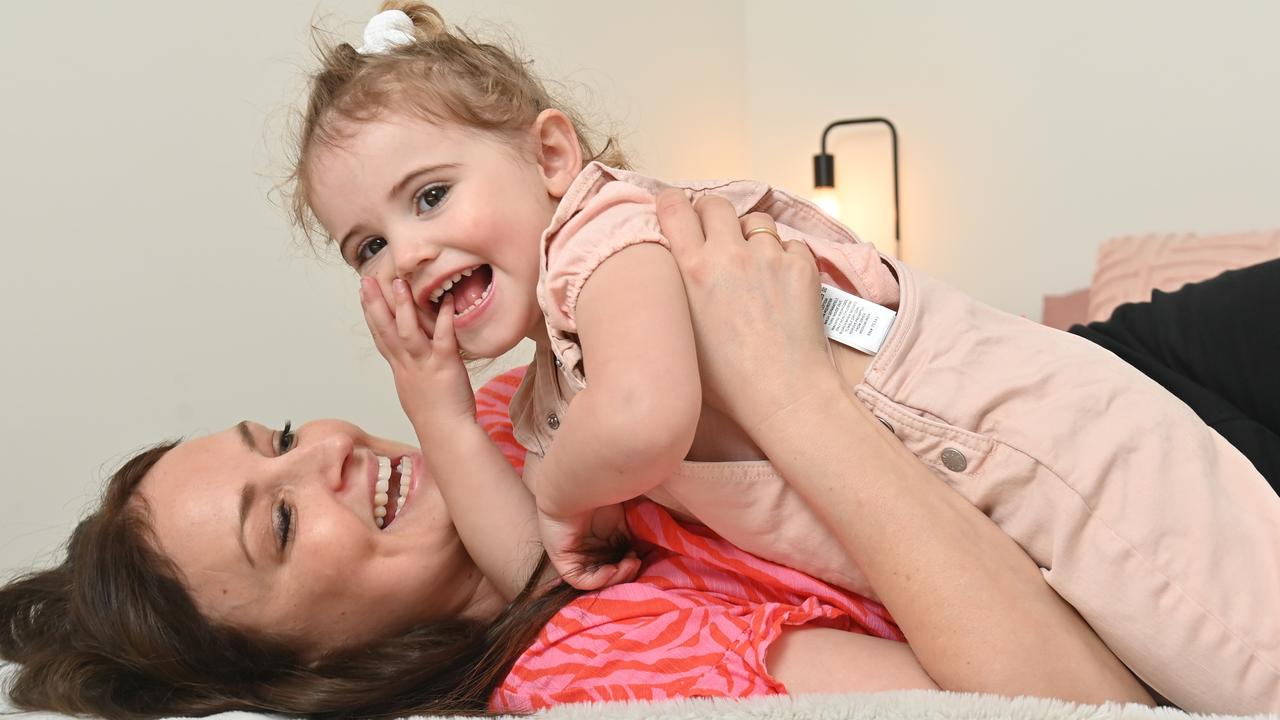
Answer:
x=276 y=532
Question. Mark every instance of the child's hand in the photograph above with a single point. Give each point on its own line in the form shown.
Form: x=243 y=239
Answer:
x=585 y=548
x=431 y=380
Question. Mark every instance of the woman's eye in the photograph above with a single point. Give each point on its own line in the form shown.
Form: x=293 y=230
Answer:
x=286 y=439
x=430 y=197
x=367 y=250
x=284 y=522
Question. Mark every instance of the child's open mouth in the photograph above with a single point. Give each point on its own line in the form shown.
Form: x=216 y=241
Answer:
x=470 y=288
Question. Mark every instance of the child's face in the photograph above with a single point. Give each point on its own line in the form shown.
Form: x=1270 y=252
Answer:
x=440 y=204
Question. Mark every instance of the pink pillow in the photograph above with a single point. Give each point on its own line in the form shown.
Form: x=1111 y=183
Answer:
x=1129 y=268
x=1063 y=311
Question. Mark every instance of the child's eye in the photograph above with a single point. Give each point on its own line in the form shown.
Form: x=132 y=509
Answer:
x=367 y=249
x=429 y=197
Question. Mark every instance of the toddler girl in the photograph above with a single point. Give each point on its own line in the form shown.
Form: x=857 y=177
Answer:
x=475 y=213
x=478 y=214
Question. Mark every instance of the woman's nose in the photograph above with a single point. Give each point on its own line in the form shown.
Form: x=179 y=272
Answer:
x=327 y=460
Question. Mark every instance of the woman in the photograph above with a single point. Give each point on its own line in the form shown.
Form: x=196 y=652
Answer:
x=181 y=595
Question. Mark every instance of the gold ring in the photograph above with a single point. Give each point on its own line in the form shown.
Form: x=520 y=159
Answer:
x=753 y=231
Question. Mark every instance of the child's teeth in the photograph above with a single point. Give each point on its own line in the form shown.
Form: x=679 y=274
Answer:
x=472 y=306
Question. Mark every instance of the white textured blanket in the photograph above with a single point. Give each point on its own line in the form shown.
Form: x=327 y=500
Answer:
x=913 y=704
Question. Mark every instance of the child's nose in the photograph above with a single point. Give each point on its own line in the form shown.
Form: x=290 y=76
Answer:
x=411 y=253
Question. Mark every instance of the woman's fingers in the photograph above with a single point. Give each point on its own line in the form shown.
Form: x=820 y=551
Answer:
x=680 y=224
x=799 y=249
x=719 y=220
x=761 y=233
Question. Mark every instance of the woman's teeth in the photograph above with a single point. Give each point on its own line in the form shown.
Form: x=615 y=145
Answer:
x=448 y=285
x=403 y=474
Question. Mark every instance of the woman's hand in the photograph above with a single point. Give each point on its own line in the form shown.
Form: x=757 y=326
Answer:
x=431 y=380
x=755 y=306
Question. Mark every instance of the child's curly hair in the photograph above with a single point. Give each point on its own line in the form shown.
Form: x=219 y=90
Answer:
x=441 y=76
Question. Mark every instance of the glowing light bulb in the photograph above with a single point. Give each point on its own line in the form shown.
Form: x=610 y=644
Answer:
x=827 y=199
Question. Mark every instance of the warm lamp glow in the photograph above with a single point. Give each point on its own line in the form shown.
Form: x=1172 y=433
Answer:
x=824 y=176
x=827 y=199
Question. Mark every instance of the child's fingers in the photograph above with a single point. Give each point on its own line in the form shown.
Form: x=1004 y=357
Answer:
x=590 y=578
x=628 y=569
x=377 y=316
x=407 y=327
x=444 y=340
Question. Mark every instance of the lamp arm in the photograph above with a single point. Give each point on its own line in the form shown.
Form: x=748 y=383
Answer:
x=893 y=134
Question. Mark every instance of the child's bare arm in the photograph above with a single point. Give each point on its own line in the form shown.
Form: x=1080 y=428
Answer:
x=629 y=429
x=491 y=508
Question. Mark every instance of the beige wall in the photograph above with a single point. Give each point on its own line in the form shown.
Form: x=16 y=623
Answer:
x=151 y=290
x=1030 y=132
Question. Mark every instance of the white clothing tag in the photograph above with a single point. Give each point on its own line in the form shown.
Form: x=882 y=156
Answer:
x=850 y=320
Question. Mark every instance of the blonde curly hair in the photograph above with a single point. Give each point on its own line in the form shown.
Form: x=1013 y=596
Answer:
x=441 y=76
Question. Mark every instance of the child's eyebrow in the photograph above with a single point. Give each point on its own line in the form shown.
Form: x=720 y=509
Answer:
x=404 y=181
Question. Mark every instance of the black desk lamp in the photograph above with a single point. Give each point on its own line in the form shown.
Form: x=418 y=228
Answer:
x=824 y=174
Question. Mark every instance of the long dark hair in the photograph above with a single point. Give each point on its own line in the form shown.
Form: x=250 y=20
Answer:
x=111 y=631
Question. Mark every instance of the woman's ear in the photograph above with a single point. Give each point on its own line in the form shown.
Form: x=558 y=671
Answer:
x=559 y=154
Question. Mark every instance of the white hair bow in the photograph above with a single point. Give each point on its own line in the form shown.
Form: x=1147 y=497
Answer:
x=386 y=31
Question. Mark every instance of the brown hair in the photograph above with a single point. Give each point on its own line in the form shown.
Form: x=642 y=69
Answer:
x=441 y=76
x=111 y=631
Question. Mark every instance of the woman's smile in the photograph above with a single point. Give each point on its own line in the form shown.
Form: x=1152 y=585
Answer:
x=392 y=482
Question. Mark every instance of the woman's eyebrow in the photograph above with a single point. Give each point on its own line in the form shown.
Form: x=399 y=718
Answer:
x=247 y=494
x=246 y=502
x=247 y=436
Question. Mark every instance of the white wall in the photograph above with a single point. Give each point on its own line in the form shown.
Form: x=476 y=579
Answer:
x=151 y=289
x=1030 y=132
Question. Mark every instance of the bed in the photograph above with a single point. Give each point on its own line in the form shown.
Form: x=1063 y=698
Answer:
x=930 y=704
x=1128 y=269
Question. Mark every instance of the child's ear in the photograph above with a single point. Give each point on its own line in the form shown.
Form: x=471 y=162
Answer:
x=559 y=154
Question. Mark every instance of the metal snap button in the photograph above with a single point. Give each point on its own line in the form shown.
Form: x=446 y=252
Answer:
x=553 y=421
x=556 y=360
x=954 y=460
